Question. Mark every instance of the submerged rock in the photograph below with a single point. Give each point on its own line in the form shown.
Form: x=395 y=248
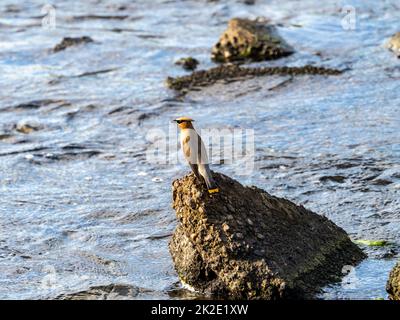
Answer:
x=69 y=42
x=188 y=63
x=393 y=284
x=107 y=292
x=394 y=44
x=338 y=179
x=229 y=73
x=245 y=243
x=249 y=39
x=26 y=127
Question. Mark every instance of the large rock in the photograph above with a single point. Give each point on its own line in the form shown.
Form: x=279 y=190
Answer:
x=250 y=39
x=393 y=285
x=245 y=243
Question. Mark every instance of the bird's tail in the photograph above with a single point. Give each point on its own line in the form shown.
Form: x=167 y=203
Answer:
x=210 y=182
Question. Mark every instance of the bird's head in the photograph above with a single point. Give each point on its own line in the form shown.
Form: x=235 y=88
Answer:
x=184 y=122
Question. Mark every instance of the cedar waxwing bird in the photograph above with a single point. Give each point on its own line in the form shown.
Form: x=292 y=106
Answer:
x=195 y=153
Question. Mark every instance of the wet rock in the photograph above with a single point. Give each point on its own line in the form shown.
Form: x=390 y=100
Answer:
x=230 y=73
x=95 y=72
x=108 y=292
x=69 y=42
x=5 y=136
x=12 y=8
x=27 y=126
x=381 y=182
x=388 y=254
x=98 y=17
x=188 y=63
x=338 y=179
x=393 y=284
x=249 y=40
x=145 y=116
x=394 y=44
x=271 y=249
x=33 y=105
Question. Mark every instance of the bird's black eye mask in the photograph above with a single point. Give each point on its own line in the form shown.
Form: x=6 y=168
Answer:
x=181 y=121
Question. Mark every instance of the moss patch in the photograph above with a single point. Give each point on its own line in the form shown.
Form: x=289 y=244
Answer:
x=372 y=243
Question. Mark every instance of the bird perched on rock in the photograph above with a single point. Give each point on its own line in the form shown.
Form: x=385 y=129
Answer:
x=195 y=153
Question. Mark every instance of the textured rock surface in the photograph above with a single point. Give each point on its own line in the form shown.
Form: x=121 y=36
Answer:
x=248 y=39
x=230 y=73
x=245 y=243
x=394 y=44
x=393 y=285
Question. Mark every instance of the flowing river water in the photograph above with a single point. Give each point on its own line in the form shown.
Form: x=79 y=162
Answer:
x=82 y=206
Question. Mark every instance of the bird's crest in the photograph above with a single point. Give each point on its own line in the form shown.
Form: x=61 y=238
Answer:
x=182 y=119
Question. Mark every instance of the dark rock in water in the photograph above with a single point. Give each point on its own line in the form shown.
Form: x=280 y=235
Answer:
x=5 y=136
x=243 y=243
x=188 y=63
x=338 y=179
x=69 y=42
x=394 y=44
x=27 y=126
x=203 y=78
x=32 y=105
x=108 y=292
x=381 y=182
x=250 y=39
x=393 y=284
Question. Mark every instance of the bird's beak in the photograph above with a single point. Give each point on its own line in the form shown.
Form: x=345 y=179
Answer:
x=173 y=121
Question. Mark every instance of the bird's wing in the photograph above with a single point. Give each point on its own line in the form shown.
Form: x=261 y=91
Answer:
x=186 y=147
x=202 y=157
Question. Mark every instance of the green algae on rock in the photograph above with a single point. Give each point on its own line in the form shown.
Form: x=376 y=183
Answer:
x=244 y=243
x=394 y=44
x=393 y=284
x=249 y=40
x=203 y=78
x=372 y=243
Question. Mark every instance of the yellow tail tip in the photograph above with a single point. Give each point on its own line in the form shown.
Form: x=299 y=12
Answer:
x=211 y=191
